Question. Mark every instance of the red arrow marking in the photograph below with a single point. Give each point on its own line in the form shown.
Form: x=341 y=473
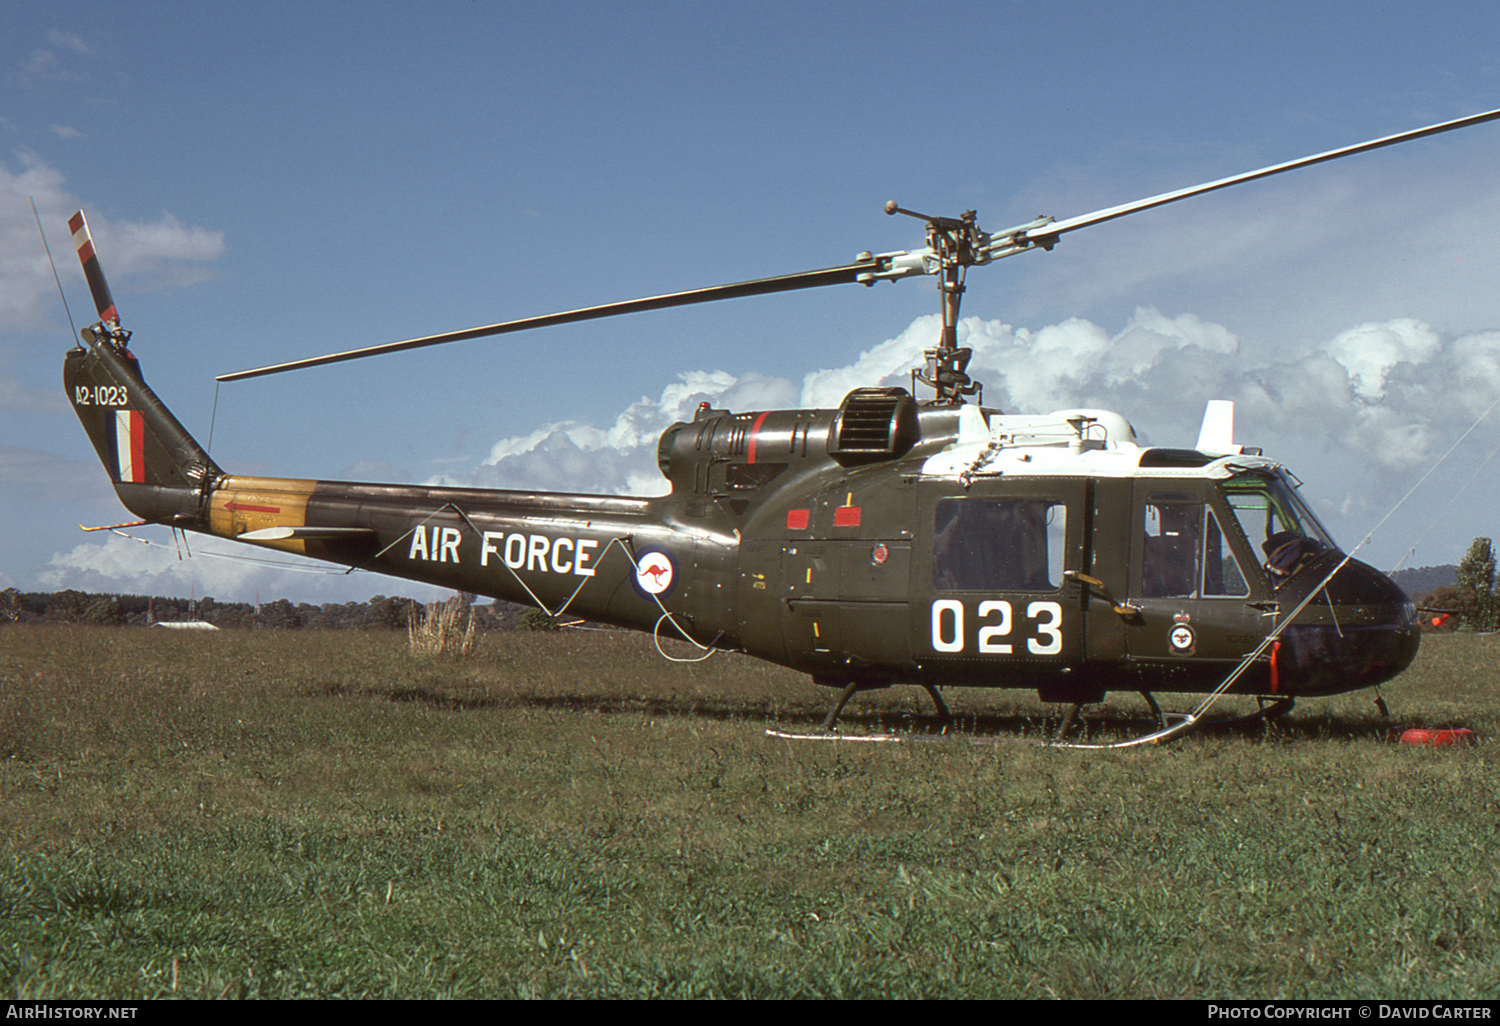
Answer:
x=232 y=505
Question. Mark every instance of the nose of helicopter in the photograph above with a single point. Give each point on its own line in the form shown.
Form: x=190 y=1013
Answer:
x=1360 y=631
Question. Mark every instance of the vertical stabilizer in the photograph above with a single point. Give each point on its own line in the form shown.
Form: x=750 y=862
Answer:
x=159 y=471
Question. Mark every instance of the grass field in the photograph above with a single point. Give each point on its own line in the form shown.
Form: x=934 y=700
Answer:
x=301 y=814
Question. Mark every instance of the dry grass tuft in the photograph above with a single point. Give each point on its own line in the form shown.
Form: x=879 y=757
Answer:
x=442 y=629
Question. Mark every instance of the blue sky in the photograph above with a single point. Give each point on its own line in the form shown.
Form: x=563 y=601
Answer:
x=267 y=181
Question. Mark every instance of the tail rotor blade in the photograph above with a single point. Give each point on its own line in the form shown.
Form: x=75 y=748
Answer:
x=104 y=303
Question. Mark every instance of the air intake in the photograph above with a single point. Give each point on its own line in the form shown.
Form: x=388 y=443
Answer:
x=874 y=424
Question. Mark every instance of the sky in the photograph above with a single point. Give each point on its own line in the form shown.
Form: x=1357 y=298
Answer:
x=270 y=180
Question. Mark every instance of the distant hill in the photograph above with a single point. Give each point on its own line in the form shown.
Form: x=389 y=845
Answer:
x=1418 y=581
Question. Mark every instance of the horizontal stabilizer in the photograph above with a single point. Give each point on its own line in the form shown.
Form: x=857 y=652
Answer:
x=115 y=527
x=267 y=534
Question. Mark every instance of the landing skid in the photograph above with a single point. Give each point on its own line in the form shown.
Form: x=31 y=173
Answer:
x=1170 y=726
x=1070 y=718
x=1265 y=714
x=1185 y=724
x=903 y=739
x=822 y=735
x=1164 y=720
x=944 y=715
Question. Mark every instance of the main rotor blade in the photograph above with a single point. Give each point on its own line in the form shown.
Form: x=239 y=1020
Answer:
x=889 y=266
x=1057 y=228
x=760 y=286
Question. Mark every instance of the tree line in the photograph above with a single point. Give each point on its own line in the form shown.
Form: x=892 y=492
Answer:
x=382 y=612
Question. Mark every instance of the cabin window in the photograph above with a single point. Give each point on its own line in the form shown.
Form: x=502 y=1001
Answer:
x=1185 y=553
x=999 y=544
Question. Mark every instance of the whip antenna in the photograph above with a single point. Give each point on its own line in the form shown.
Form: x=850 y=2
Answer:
x=72 y=331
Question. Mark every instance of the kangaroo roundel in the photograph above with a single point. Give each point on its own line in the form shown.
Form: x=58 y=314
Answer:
x=655 y=572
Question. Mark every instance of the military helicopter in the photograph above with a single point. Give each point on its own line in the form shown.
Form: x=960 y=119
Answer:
x=892 y=540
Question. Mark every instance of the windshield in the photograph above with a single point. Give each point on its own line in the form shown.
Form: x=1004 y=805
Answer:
x=1271 y=513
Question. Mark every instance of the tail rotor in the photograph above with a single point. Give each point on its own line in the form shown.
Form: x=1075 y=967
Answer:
x=104 y=303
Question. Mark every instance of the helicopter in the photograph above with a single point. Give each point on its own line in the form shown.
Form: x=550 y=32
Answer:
x=893 y=540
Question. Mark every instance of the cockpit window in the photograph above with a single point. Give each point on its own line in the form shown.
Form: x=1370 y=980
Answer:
x=1186 y=554
x=1268 y=509
x=1276 y=520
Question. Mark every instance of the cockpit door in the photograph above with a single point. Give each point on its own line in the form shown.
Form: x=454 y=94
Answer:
x=1200 y=598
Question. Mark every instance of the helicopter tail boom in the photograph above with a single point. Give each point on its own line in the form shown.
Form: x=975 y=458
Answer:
x=608 y=558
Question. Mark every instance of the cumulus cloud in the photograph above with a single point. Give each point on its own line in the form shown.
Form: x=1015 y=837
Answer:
x=105 y=566
x=1371 y=351
x=145 y=254
x=148 y=249
x=1384 y=393
x=140 y=565
x=619 y=458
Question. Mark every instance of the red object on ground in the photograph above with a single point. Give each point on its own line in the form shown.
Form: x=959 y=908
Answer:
x=1458 y=736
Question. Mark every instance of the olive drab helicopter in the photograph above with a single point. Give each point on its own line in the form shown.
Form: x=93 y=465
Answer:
x=892 y=540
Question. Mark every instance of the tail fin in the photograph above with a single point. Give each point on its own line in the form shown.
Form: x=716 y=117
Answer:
x=159 y=471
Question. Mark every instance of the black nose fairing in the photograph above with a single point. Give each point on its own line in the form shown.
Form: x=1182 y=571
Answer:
x=1358 y=630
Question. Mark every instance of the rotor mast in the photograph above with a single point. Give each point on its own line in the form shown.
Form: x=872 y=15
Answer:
x=954 y=243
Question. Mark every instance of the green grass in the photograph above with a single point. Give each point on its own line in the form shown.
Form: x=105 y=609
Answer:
x=266 y=814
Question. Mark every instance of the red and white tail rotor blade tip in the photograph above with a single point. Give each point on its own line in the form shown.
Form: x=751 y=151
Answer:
x=104 y=303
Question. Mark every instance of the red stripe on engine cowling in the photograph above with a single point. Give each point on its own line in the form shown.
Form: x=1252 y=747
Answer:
x=754 y=430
